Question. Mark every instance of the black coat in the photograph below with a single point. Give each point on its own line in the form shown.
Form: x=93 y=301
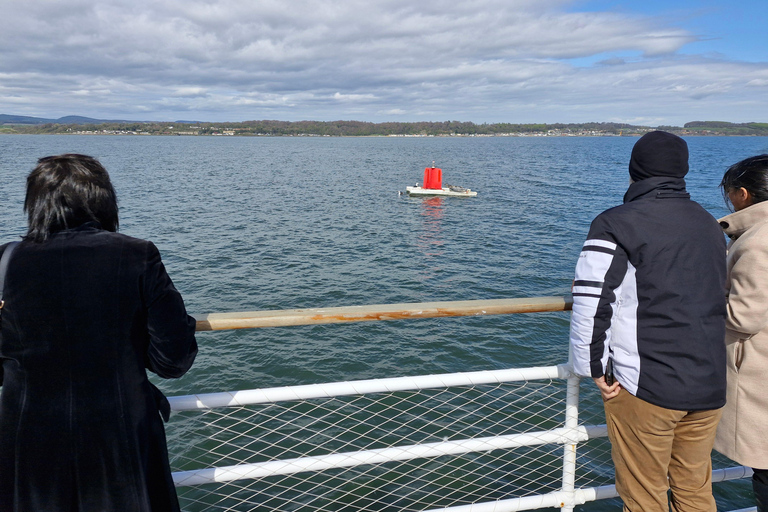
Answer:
x=650 y=291
x=80 y=426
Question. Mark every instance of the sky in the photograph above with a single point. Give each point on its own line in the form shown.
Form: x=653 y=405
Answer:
x=648 y=62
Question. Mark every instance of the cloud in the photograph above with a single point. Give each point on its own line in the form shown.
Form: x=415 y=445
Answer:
x=189 y=92
x=352 y=97
x=480 y=60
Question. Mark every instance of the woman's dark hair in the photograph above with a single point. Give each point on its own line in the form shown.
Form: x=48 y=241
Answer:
x=66 y=191
x=752 y=174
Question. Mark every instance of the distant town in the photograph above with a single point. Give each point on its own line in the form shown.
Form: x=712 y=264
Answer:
x=86 y=126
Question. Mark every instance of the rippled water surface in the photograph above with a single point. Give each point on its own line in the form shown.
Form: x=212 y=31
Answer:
x=278 y=223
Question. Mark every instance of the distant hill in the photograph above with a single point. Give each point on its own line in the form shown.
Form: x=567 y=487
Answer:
x=82 y=120
x=9 y=119
x=725 y=128
x=6 y=119
x=87 y=125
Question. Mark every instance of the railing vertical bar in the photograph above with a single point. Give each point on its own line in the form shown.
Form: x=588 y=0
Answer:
x=569 y=449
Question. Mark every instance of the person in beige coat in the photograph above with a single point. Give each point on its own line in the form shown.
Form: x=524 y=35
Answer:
x=742 y=432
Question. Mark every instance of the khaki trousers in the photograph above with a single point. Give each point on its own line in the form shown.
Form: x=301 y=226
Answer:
x=656 y=449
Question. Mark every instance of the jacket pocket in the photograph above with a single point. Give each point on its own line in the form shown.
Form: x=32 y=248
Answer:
x=738 y=354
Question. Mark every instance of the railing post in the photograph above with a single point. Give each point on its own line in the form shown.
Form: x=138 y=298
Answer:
x=569 y=449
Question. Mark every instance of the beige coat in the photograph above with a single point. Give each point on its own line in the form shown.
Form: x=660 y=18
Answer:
x=743 y=432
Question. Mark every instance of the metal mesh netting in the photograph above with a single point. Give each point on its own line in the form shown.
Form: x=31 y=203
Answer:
x=379 y=421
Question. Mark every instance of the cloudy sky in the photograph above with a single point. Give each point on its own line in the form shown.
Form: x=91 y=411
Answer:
x=646 y=62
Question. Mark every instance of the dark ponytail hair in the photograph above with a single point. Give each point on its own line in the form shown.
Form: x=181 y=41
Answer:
x=66 y=191
x=752 y=174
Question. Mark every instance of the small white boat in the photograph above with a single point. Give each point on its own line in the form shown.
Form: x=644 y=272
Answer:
x=433 y=186
x=445 y=191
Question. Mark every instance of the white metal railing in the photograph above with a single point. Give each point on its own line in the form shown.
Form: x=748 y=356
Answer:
x=273 y=471
x=504 y=440
x=338 y=460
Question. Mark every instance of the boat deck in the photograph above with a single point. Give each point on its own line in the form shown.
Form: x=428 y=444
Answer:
x=445 y=191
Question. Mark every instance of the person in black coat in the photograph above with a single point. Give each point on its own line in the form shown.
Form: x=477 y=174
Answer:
x=86 y=311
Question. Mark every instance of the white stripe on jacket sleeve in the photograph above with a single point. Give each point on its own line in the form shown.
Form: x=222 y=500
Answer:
x=591 y=270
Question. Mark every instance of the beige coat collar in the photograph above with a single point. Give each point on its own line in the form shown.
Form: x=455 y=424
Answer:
x=737 y=223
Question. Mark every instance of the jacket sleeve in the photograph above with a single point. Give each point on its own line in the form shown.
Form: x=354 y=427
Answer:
x=748 y=295
x=172 y=345
x=600 y=263
x=2 y=250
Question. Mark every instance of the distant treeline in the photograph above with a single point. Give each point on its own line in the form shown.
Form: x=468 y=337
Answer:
x=445 y=128
x=723 y=128
x=362 y=129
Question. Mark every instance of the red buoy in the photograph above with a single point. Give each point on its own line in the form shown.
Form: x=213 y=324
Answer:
x=433 y=178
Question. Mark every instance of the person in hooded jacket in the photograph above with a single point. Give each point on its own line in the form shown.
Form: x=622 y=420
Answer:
x=86 y=311
x=649 y=300
x=741 y=434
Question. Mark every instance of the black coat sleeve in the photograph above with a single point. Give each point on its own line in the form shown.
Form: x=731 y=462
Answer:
x=172 y=345
x=2 y=250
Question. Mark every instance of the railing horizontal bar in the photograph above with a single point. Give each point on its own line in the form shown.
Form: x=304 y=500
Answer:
x=360 y=387
x=287 y=317
x=557 y=499
x=561 y=499
x=734 y=473
x=397 y=453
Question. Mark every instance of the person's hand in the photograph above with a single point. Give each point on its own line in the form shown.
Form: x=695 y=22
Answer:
x=607 y=391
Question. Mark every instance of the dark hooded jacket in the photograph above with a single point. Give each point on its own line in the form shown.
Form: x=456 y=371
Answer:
x=86 y=312
x=649 y=290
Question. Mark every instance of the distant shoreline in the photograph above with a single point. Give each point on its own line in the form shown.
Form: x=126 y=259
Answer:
x=34 y=126
x=447 y=136
x=456 y=136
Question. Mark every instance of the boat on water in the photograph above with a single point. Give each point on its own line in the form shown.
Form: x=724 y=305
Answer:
x=443 y=191
x=433 y=186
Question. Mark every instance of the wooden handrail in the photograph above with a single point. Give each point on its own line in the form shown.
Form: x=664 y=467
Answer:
x=287 y=317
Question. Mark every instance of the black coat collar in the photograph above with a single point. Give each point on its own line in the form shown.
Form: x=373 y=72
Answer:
x=86 y=226
x=657 y=187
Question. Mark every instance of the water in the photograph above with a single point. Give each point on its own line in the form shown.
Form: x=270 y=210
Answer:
x=278 y=223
